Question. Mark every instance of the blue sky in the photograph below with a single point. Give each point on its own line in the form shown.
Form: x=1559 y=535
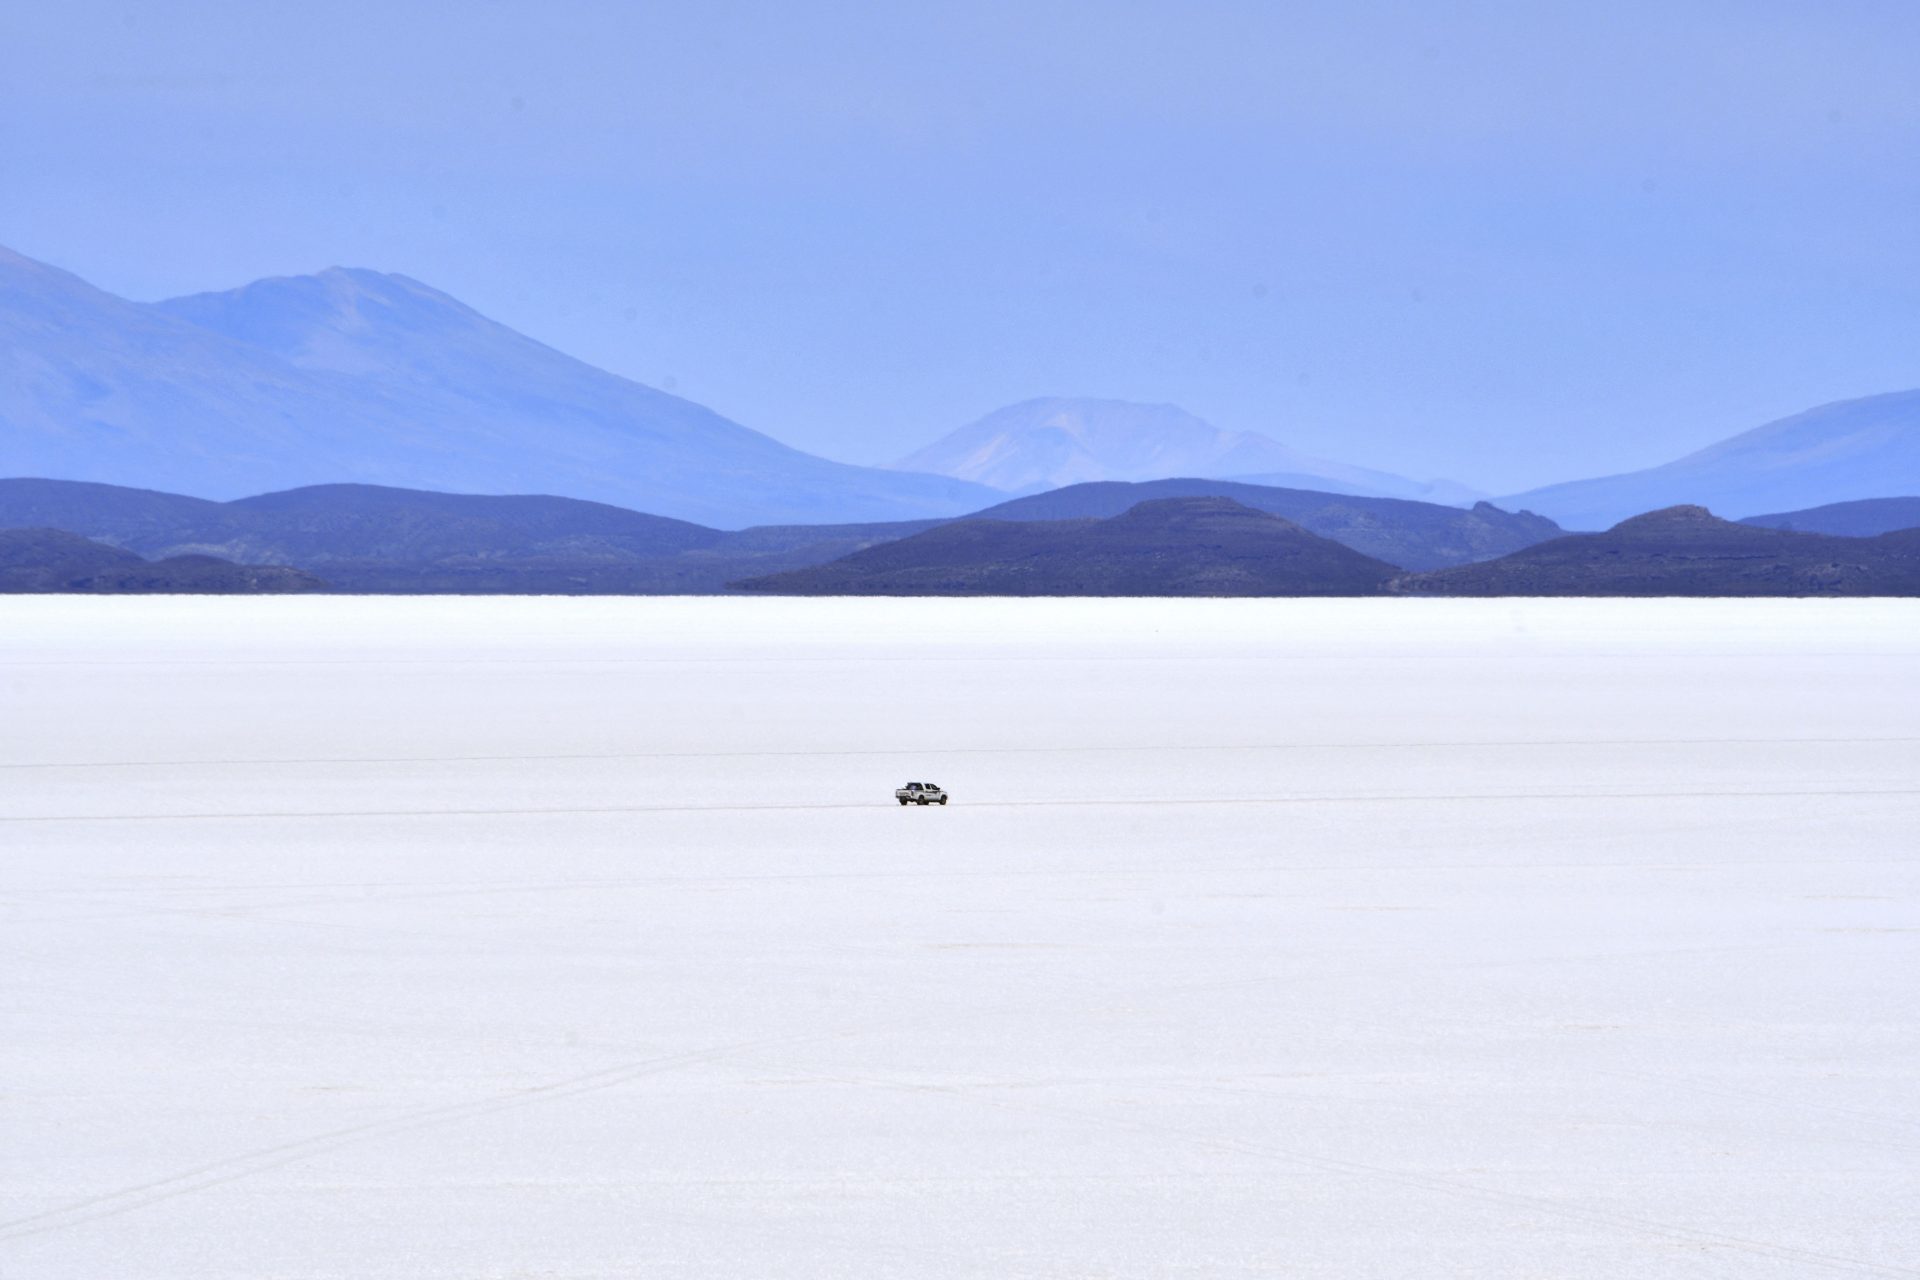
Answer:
x=1509 y=243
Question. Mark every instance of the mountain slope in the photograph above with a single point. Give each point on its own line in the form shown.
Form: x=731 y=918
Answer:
x=1361 y=482
x=1864 y=519
x=1413 y=535
x=1171 y=547
x=1852 y=449
x=354 y=376
x=346 y=522
x=1687 y=551
x=50 y=560
x=1047 y=443
x=133 y=518
x=322 y=523
x=369 y=538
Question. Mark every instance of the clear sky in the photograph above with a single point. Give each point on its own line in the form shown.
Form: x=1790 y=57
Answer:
x=1509 y=243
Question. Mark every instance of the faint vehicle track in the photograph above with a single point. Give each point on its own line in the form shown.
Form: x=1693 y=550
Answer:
x=1756 y=793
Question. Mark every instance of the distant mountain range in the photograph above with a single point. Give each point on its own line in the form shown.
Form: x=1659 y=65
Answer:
x=1853 y=449
x=371 y=538
x=1847 y=451
x=1190 y=537
x=357 y=376
x=1048 y=443
x=1214 y=546
x=49 y=560
x=1688 y=551
x=367 y=538
x=1165 y=547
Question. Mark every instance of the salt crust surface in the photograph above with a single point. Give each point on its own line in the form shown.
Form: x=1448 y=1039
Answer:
x=553 y=938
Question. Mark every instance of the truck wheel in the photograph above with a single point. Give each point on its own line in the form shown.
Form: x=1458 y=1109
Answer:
x=943 y=799
x=903 y=804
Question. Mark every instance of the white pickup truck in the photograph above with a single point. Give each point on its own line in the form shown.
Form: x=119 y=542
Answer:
x=920 y=793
